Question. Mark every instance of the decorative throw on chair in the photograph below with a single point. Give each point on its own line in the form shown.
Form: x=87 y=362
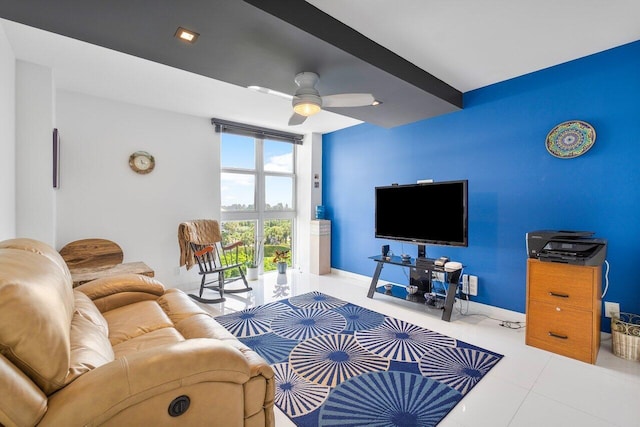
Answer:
x=339 y=364
x=200 y=231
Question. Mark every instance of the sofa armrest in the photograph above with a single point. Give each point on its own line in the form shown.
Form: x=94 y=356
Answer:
x=22 y=403
x=131 y=380
x=111 y=292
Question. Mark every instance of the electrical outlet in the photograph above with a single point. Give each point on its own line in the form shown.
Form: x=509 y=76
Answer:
x=611 y=309
x=473 y=285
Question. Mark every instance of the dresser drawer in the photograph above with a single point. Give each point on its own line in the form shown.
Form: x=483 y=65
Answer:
x=563 y=285
x=565 y=331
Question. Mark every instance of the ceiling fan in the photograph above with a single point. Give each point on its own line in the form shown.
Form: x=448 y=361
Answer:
x=306 y=101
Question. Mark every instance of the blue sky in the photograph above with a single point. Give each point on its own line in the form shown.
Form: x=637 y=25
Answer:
x=238 y=152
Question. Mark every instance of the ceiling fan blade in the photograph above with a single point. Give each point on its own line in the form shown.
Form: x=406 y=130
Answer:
x=271 y=92
x=347 y=100
x=297 y=119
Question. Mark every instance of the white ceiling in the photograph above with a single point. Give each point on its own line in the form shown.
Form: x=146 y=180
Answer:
x=474 y=43
x=466 y=43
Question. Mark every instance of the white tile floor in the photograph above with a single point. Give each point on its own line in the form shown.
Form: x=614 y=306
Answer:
x=528 y=387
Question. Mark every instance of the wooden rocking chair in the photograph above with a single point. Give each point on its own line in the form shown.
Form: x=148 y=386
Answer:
x=215 y=261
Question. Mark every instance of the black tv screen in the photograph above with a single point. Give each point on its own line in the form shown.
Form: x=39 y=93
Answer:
x=432 y=213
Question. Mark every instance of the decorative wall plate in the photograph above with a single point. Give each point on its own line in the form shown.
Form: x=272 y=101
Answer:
x=570 y=139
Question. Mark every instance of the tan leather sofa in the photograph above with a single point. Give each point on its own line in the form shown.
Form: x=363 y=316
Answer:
x=118 y=351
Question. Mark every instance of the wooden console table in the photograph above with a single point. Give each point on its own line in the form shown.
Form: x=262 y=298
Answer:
x=84 y=275
x=90 y=259
x=421 y=275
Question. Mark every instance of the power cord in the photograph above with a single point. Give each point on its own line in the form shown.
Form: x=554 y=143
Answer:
x=512 y=325
x=606 y=279
x=519 y=325
x=460 y=309
x=509 y=324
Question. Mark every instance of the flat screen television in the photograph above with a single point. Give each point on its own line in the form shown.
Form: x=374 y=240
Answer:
x=433 y=213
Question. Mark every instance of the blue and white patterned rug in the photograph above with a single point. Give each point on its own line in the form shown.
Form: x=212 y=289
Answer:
x=339 y=364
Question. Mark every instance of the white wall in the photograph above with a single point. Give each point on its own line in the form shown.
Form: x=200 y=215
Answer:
x=7 y=140
x=100 y=196
x=309 y=163
x=35 y=196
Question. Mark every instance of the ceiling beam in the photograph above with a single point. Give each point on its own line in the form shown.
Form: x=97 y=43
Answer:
x=312 y=20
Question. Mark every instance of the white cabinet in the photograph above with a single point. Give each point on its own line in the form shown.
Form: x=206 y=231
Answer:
x=320 y=253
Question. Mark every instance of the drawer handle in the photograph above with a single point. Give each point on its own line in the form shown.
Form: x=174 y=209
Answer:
x=555 y=294
x=562 y=337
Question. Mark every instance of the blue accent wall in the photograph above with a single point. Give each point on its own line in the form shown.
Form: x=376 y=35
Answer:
x=497 y=142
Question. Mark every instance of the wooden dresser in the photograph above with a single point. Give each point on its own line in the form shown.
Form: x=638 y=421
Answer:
x=564 y=309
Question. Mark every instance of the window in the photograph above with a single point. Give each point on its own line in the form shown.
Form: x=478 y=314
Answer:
x=257 y=189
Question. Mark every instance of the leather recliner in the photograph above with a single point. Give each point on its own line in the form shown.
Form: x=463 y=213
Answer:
x=117 y=351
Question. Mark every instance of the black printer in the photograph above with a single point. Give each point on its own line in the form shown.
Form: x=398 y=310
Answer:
x=569 y=247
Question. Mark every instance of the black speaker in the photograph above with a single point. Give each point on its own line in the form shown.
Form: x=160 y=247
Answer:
x=385 y=250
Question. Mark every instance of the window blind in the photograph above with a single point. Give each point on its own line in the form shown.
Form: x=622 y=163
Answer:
x=256 y=131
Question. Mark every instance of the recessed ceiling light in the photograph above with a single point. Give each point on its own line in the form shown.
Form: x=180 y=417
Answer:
x=186 y=35
x=376 y=103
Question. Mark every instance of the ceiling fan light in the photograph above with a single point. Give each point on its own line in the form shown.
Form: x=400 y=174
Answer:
x=306 y=108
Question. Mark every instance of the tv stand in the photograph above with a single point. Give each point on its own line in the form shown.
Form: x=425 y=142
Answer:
x=421 y=273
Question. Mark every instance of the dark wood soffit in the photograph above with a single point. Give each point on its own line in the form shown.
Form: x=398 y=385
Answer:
x=316 y=22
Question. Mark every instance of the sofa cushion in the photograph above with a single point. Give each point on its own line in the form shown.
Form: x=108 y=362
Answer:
x=178 y=305
x=84 y=307
x=36 y=308
x=41 y=248
x=153 y=339
x=136 y=319
x=90 y=345
x=109 y=293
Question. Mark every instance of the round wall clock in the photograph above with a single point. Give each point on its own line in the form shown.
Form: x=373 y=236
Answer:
x=141 y=162
x=570 y=139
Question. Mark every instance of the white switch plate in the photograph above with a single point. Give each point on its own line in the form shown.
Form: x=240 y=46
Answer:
x=473 y=285
x=611 y=309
